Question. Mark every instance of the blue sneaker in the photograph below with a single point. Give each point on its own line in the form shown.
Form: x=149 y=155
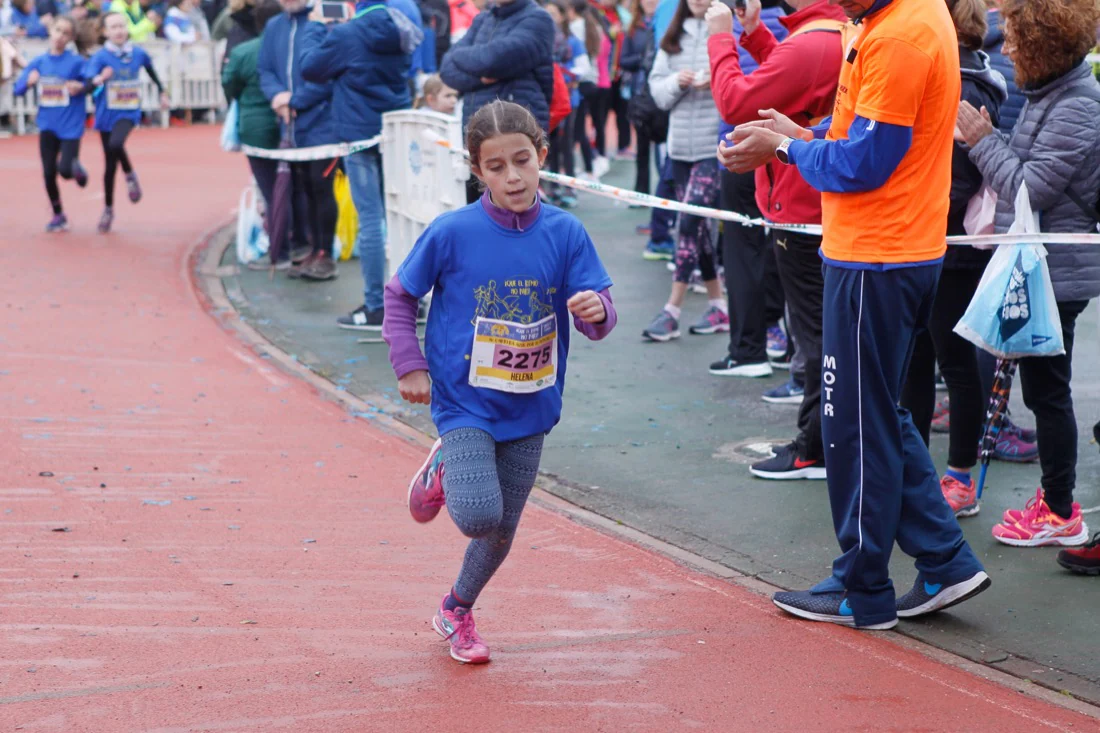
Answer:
x=777 y=342
x=659 y=251
x=790 y=393
x=927 y=597
x=663 y=328
x=831 y=607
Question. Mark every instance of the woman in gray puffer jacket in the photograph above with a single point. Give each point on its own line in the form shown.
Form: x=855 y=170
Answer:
x=1055 y=150
x=680 y=84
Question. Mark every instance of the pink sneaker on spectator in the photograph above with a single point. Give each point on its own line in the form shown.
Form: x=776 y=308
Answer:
x=426 y=488
x=1039 y=526
x=458 y=628
x=962 y=498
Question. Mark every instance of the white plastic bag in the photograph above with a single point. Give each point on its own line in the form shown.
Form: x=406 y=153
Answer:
x=980 y=212
x=1013 y=313
x=252 y=242
x=231 y=138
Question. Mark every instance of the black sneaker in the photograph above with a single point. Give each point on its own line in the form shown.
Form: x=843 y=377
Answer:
x=787 y=465
x=830 y=607
x=361 y=319
x=728 y=367
x=925 y=597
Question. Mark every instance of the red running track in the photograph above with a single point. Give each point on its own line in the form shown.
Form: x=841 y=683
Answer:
x=211 y=612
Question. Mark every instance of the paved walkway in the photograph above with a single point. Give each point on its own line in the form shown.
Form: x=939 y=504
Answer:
x=194 y=540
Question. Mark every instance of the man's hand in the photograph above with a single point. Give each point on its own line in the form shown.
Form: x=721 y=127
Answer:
x=685 y=78
x=415 y=387
x=587 y=306
x=754 y=146
x=781 y=123
x=488 y=81
x=750 y=16
x=280 y=104
x=719 y=18
x=33 y=77
x=972 y=126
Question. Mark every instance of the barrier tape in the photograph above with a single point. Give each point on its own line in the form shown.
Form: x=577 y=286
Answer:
x=316 y=152
x=339 y=150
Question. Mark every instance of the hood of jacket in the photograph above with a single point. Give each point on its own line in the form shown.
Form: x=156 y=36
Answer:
x=975 y=67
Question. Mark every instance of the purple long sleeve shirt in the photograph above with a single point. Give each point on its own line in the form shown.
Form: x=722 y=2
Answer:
x=399 y=325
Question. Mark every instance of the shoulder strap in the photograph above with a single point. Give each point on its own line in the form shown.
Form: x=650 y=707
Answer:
x=1089 y=91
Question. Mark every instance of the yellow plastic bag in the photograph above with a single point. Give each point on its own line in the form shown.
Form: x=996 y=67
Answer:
x=347 y=218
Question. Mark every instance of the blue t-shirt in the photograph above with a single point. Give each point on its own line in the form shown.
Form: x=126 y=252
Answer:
x=58 y=111
x=480 y=269
x=120 y=97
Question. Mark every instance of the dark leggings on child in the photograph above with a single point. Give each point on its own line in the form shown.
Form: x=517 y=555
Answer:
x=310 y=177
x=589 y=92
x=696 y=183
x=958 y=360
x=50 y=146
x=114 y=153
x=486 y=484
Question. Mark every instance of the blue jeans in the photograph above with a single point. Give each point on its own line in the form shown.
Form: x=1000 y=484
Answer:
x=364 y=171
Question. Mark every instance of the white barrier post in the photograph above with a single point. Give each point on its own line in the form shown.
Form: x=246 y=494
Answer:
x=422 y=180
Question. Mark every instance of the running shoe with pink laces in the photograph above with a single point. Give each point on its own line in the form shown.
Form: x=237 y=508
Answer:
x=458 y=628
x=426 y=488
x=1039 y=526
x=962 y=498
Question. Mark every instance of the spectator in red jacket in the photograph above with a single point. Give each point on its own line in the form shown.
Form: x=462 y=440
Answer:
x=798 y=78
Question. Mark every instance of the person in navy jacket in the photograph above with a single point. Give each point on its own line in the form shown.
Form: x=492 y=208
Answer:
x=306 y=113
x=506 y=54
x=367 y=60
x=59 y=76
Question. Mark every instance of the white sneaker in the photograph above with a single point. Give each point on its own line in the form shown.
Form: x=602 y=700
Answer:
x=600 y=166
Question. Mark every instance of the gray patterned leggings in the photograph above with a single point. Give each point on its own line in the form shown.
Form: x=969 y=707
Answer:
x=486 y=484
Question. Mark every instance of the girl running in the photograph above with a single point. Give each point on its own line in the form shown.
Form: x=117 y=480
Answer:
x=59 y=76
x=507 y=270
x=115 y=72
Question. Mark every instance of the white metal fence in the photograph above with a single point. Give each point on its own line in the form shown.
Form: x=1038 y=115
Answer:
x=191 y=76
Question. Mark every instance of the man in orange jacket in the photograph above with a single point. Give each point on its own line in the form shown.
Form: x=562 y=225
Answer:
x=797 y=77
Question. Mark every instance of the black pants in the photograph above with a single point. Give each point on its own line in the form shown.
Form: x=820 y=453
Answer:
x=561 y=148
x=584 y=110
x=803 y=282
x=641 y=173
x=310 y=178
x=1045 y=383
x=745 y=252
x=114 y=153
x=58 y=157
x=608 y=101
x=958 y=360
x=264 y=171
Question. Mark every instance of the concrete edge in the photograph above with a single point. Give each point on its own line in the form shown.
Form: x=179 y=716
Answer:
x=201 y=269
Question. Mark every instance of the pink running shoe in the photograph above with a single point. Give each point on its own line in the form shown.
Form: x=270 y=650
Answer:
x=426 y=488
x=963 y=498
x=458 y=628
x=1039 y=526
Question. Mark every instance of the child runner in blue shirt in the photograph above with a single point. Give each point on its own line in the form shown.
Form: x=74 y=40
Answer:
x=59 y=76
x=115 y=72
x=507 y=273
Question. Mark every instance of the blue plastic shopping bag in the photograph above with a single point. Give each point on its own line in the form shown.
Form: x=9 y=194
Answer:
x=252 y=241
x=1013 y=313
x=231 y=138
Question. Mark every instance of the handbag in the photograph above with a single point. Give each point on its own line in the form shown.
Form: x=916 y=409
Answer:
x=231 y=138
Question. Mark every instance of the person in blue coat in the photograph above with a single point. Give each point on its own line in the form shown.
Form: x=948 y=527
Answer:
x=305 y=110
x=994 y=41
x=506 y=54
x=114 y=72
x=422 y=47
x=367 y=60
x=59 y=76
x=25 y=16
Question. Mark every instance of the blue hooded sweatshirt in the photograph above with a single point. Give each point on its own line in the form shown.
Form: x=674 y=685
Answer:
x=285 y=40
x=365 y=60
x=59 y=112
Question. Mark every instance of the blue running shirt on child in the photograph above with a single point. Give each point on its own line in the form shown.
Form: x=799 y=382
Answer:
x=479 y=269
